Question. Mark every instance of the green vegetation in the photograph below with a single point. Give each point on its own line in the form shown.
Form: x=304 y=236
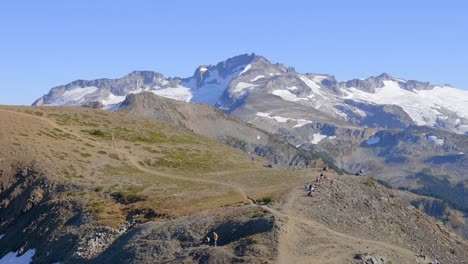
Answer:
x=127 y=197
x=85 y=155
x=329 y=161
x=150 y=150
x=370 y=183
x=435 y=208
x=114 y=156
x=251 y=240
x=36 y=113
x=97 y=133
x=264 y=201
x=89 y=145
x=441 y=188
x=107 y=213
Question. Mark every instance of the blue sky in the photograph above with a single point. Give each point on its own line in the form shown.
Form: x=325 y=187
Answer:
x=48 y=43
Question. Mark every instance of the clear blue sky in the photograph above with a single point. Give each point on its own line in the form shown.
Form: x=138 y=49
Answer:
x=48 y=43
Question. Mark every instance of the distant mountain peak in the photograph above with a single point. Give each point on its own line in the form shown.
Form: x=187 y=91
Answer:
x=385 y=76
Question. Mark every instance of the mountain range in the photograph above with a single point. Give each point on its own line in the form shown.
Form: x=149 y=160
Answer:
x=382 y=102
x=407 y=134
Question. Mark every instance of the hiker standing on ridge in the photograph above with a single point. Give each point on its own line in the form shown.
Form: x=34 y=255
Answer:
x=215 y=238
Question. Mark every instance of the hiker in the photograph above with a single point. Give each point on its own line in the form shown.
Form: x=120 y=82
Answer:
x=215 y=238
x=253 y=158
x=207 y=240
x=435 y=261
x=311 y=190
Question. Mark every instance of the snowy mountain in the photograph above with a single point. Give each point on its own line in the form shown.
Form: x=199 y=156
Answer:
x=406 y=133
x=380 y=102
x=206 y=85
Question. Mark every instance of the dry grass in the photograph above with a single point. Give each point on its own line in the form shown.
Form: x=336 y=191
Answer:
x=75 y=145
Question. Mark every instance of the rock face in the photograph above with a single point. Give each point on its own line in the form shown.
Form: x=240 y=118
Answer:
x=31 y=206
x=246 y=234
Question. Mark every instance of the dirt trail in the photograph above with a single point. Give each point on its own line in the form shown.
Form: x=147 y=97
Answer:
x=290 y=247
x=135 y=163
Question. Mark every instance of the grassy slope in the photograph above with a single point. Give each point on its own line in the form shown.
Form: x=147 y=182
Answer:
x=155 y=169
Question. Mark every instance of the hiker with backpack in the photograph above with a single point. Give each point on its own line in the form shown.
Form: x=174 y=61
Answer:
x=215 y=238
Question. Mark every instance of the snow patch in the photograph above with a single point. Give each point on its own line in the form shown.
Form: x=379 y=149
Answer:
x=1 y=236
x=302 y=122
x=258 y=137
x=245 y=69
x=178 y=93
x=13 y=258
x=288 y=96
x=421 y=106
x=314 y=87
x=202 y=69
x=242 y=86
x=112 y=108
x=257 y=78
x=279 y=119
x=213 y=87
x=435 y=140
x=292 y=88
x=317 y=138
x=263 y=114
x=319 y=78
x=113 y=99
x=76 y=95
x=373 y=140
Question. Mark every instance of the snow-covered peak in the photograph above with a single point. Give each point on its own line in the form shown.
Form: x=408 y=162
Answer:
x=380 y=101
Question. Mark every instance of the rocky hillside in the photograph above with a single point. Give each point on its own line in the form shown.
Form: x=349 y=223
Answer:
x=89 y=186
x=208 y=121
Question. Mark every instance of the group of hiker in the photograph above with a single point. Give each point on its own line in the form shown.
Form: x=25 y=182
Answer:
x=319 y=181
x=207 y=240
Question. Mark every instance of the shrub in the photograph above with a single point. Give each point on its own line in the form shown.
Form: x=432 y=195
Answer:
x=97 y=132
x=265 y=200
x=370 y=183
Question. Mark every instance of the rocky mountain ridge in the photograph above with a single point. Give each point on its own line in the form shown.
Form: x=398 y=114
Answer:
x=208 y=121
x=230 y=83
